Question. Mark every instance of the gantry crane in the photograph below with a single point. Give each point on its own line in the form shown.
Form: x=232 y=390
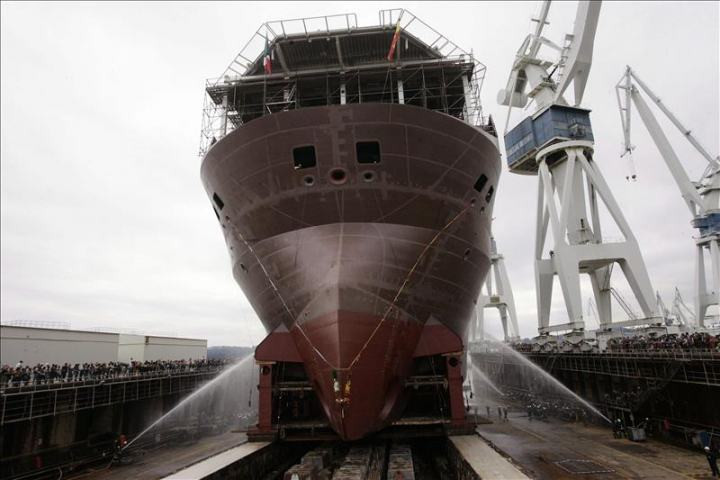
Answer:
x=498 y=294
x=680 y=310
x=702 y=197
x=556 y=143
x=662 y=309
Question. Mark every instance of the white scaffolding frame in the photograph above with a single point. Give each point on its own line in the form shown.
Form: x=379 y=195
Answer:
x=243 y=67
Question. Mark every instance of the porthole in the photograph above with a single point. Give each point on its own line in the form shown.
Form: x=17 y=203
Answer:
x=480 y=183
x=367 y=152
x=304 y=157
x=218 y=201
x=338 y=176
x=309 y=180
x=368 y=176
x=489 y=195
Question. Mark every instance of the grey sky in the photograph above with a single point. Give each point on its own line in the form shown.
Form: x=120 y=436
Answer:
x=104 y=219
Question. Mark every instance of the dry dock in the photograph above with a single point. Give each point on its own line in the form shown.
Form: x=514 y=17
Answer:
x=460 y=457
x=514 y=450
x=559 y=450
x=167 y=460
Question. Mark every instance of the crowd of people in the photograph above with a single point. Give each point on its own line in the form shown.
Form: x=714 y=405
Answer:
x=523 y=347
x=627 y=399
x=684 y=342
x=44 y=373
x=670 y=342
x=540 y=408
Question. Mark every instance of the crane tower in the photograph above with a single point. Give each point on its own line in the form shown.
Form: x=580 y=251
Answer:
x=498 y=294
x=702 y=197
x=556 y=143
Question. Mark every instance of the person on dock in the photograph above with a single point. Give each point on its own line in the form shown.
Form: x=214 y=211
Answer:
x=618 y=428
x=120 y=443
x=712 y=455
x=505 y=413
x=499 y=412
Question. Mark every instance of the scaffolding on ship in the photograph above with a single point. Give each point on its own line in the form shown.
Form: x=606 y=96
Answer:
x=330 y=60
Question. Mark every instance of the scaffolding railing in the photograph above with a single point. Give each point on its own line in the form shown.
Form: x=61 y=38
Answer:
x=218 y=118
x=414 y=26
x=269 y=31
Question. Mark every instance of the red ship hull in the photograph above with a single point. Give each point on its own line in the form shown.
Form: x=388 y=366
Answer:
x=366 y=270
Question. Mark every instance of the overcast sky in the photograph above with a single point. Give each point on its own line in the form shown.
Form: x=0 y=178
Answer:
x=104 y=219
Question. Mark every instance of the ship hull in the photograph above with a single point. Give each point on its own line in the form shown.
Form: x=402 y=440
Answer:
x=355 y=265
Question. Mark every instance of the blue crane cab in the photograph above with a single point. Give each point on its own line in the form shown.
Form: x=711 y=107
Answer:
x=556 y=123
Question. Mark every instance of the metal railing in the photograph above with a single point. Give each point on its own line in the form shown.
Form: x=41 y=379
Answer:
x=269 y=31
x=414 y=26
x=29 y=402
x=671 y=354
x=215 y=122
x=53 y=324
x=79 y=380
x=690 y=368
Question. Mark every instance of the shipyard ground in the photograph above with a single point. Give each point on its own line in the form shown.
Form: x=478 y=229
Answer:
x=166 y=460
x=540 y=449
x=467 y=457
x=553 y=449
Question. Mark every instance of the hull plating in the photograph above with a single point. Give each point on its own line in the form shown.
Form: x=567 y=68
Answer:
x=355 y=267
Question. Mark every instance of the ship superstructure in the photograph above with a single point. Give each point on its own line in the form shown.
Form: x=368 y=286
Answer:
x=353 y=175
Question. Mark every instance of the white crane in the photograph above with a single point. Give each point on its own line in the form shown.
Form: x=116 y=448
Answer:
x=497 y=295
x=556 y=143
x=680 y=310
x=573 y=65
x=662 y=309
x=702 y=197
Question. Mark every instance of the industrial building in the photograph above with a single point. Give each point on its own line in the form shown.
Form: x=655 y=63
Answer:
x=48 y=345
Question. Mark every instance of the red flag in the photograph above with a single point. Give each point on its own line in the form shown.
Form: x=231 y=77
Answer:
x=267 y=60
x=393 y=45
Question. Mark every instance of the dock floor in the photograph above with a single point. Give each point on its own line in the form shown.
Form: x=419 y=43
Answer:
x=560 y=450
x=167 y=460
x=540 y=449
x=216 y=463
x=486 y=462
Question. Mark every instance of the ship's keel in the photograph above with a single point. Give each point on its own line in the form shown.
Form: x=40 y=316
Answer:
x=397 y=378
